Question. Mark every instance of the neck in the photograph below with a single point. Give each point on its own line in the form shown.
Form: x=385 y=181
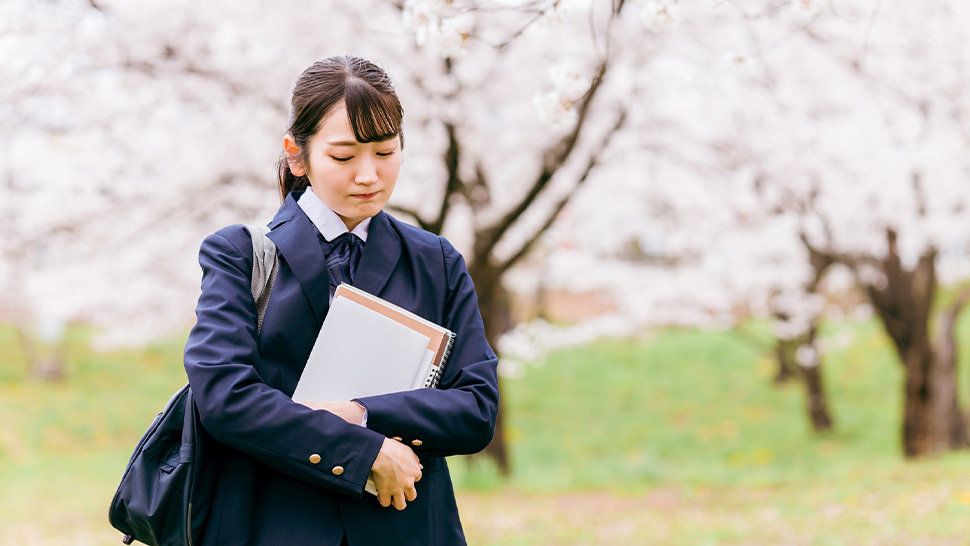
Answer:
x=350 y=223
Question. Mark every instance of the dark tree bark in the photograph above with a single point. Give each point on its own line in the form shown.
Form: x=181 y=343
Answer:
x=816 y=396
x=932 y=417
x=949 y=403
x=495 y=306
x=817 y=402
x=932 y=420
x=784 y=356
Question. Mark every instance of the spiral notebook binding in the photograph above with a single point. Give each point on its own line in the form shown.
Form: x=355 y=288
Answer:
x=435 y=377
x=432 y=380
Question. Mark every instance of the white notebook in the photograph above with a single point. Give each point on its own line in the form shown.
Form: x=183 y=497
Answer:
x=368 y=346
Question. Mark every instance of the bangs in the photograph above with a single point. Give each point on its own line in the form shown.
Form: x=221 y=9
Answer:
x=374 y=115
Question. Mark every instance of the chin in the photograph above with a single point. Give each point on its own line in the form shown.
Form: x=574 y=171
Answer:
x=371 y=209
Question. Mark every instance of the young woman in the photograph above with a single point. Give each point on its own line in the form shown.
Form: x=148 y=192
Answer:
x=291 y=474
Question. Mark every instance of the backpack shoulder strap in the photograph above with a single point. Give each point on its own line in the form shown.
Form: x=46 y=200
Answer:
x=264 y=270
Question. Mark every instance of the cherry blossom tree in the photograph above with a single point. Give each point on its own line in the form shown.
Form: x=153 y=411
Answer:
x=118 y=137
x=709 y=257
x=143 y=127
x=847 y=118
x=884 y=189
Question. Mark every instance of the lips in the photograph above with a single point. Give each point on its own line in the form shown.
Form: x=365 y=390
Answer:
x=365 y=196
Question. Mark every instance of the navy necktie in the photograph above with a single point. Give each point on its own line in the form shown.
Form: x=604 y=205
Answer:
x=343 y=253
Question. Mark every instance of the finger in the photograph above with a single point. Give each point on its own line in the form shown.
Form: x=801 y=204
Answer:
x=399 y=502
x=410 y=494
x=418 y=477
x=384 y=498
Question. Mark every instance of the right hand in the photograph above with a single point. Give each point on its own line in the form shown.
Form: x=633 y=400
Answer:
x=395 y=472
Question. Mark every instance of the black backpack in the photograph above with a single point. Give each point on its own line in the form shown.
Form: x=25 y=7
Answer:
x=165 y=492
x=154 y=503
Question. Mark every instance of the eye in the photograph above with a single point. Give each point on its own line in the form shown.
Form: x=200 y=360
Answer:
x=386 y=154
x=341 y=159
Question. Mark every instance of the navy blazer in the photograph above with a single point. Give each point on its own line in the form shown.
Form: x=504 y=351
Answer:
x=287 y=474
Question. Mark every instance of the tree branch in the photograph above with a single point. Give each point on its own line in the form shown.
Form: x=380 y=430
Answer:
x=479 y=195
x=553 y=160
x=452 y=158
x=590 y=165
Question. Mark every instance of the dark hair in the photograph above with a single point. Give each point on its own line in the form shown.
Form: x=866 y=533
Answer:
x=372 y=105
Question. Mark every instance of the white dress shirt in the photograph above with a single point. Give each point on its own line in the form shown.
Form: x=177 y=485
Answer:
x=326 y=220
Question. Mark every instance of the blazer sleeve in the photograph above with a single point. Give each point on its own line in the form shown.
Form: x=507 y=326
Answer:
x=459 y=416
x=238 y=409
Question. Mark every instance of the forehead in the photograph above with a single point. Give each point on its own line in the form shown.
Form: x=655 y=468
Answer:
x=336 y=125
x=335 y=129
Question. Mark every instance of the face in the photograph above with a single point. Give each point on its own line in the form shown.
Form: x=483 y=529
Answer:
x=354 y=179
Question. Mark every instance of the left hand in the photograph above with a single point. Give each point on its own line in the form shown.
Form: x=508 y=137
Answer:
x=348 y=411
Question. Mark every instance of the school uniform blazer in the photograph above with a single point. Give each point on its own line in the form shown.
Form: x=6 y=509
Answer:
x=287 y=474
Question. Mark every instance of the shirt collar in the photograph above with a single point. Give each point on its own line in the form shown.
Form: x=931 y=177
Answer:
x=326 y=220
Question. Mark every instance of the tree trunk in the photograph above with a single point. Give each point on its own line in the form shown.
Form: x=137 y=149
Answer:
x=932 y=418
x=784 y=354
x=495 y=305
x=933 y=421
x=945 y=378
x=816 y=397
x=817 y=403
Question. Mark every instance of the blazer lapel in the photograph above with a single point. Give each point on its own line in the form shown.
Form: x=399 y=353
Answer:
x=296 y=238
x=381 y=253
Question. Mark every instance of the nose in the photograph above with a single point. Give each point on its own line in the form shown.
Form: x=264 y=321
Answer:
x=367 y=172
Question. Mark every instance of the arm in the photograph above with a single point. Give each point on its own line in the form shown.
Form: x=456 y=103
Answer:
x=459 y=416
x=240 y=410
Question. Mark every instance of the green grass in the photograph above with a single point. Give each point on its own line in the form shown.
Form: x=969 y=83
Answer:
x=64 y=445
x=697 y=408
x=679 y=438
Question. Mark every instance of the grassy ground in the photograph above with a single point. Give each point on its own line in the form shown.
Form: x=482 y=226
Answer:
x=676 y=439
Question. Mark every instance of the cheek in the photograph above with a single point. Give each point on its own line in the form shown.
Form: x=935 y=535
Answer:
x=392 y=168
x=329 y=173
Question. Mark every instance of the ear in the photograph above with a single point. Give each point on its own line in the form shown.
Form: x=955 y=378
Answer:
x=293 y=159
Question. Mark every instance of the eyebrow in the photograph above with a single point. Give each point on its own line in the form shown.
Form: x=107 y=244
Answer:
x=354 y=142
